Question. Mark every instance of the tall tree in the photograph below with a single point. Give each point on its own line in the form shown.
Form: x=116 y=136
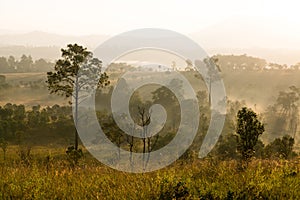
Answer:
x=248 y=129
x=66 y=81
x=213 y=72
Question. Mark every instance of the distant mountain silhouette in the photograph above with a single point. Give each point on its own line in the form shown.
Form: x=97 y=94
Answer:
x=41 y=44
x=46 y=52
x=251 y=36
x=37 y=38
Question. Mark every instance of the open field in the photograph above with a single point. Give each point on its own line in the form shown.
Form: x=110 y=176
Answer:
x=21 y=93
x=17 y=77
x=50 y=176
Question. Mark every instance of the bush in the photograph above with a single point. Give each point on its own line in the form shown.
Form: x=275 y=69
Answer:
x=74 y=155
x=281 y=148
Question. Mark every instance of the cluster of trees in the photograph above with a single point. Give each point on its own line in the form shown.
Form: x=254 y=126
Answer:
x=16 y=120
x=243 y=135
x=24 y=64
x=26 y=128
x=18 y=125
x=279 y=148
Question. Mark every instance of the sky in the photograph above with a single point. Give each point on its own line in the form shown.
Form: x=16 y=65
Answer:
x=110 y=17
x=263 y=28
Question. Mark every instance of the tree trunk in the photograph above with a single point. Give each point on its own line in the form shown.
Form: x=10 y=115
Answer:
x=131 y=149
x=76 y=114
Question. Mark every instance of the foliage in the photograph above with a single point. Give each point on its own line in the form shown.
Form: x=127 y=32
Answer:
x=227 y=148
x=281 y=147
x=74 y=155
x=66 y=75
x=248 y=129
x=14 y=118
x=227 y=145
x=165 y=97
x=173 y=190
x=67 y=79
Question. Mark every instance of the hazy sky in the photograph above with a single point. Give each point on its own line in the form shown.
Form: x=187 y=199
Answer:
x=86 y=17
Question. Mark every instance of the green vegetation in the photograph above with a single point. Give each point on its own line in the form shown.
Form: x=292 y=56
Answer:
x=66 y=76
x=281 y=147
x=249 y=128
x=42 y=158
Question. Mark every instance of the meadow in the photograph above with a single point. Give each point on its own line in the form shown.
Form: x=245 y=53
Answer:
x=49 y=175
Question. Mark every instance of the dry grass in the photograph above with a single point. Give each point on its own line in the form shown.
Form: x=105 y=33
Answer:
x=53 y=178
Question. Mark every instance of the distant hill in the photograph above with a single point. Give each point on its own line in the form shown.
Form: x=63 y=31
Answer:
x=37 y=39
x=229 y=37
x=49 y=53
x=41 y=44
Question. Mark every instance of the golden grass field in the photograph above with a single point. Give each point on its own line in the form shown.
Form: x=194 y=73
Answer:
x=49 y=176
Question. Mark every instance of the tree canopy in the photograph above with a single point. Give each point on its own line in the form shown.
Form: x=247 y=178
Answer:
x=248 y=129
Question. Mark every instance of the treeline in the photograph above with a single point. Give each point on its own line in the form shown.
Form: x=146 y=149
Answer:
x=225 y=62
x=49 y=125
x=245 y=62
x=24 y=64
x=40 y=124
x=282 y=148
x=15 y=120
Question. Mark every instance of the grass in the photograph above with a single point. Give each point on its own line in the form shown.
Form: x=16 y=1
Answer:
x=49 y=176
